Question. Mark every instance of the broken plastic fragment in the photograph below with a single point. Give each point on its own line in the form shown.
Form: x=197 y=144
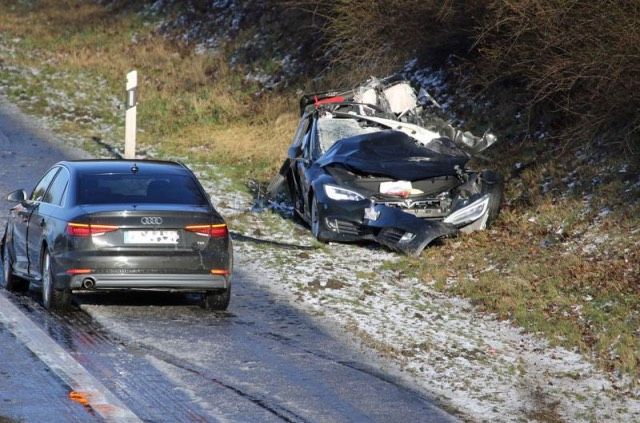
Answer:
x=371 y=213
x=399 y=188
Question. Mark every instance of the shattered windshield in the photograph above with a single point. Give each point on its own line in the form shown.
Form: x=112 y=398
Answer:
x=331 y=130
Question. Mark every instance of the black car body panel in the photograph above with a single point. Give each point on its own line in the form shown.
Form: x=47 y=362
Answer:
x=392 y=154
x=360 y=171
x=128 y=228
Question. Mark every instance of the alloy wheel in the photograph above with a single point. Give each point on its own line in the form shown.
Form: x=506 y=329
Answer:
x=6 y=266
x=46 y=281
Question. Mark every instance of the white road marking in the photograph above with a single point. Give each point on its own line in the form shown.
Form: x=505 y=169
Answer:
x=106 y=404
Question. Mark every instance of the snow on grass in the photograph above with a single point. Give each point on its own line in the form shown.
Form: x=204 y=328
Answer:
x=486 y=368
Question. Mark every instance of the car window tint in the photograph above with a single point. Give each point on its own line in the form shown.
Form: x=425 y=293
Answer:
x=41 y=188
x=306 y=142
x=302 y=129
x=56 y=191
x=138 y=189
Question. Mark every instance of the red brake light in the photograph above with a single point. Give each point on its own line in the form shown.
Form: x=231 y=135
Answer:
x=79 y=271
x=84 y=229
x=213 y=231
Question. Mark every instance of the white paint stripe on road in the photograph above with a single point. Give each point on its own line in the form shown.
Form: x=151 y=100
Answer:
x=106 y=404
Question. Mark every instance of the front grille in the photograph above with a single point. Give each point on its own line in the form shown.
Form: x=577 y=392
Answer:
x=429 y=208
x=391 y=235
x=348 y=228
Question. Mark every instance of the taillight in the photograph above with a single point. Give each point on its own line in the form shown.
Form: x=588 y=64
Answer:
x=73 y=272
x=221 y=272
x=213 y=231
x=85 y=229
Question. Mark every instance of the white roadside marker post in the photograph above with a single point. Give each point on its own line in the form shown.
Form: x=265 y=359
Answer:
x=130 y=116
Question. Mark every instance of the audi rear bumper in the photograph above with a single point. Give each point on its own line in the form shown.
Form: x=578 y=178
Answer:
x=159 y=282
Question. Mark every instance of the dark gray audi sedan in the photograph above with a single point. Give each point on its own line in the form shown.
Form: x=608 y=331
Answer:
x=117 y=225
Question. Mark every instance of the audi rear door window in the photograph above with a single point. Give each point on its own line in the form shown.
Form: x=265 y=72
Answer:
x=57 y=189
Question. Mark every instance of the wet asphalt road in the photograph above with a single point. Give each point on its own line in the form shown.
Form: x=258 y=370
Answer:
x=169 y=360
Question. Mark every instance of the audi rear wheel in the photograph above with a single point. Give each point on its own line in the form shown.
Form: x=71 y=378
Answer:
x=216 y=300
x=52 y=298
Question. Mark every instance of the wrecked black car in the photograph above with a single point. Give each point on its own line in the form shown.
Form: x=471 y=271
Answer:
x=369 y=164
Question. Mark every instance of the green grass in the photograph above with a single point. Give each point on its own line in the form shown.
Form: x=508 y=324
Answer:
x=585 y=299
x=532 y=268
x=191 y=106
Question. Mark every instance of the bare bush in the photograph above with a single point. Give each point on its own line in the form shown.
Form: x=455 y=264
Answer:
x=577 y=60
x=380 y=35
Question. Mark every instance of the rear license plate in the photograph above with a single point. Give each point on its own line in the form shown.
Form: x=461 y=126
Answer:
x=151 y=237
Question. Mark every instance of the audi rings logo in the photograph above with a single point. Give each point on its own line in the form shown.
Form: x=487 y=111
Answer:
x=151 y=221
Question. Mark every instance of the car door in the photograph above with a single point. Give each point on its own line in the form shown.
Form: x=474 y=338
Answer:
x=35 y=222
x=49 y=221
x=306 y=160
x=20 y=216
x=298 y=163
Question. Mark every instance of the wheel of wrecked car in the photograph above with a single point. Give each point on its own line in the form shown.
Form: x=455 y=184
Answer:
x=11 y=282
x=216 y=300
x=316 y=221
x=52 y=298
x=492 y=185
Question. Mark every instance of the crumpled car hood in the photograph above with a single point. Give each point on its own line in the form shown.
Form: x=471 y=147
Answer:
x=394 y=154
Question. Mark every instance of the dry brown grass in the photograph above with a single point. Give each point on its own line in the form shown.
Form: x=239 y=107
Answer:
x=554 y=266
x=188 y=103
x=535 y=272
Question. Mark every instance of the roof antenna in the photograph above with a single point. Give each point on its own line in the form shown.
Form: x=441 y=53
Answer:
x=134 y=168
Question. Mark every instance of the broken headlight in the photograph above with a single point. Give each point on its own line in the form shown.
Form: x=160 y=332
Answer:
x=341 y=194
x=468 y=214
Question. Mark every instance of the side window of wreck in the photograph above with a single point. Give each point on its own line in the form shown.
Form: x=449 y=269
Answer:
x=310 y=148
x=306 y=139
x=301 y=131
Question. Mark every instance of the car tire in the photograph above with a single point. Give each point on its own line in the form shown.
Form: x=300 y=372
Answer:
x=216 y=300
x=316 y=221
x=11 y=282
x=52 y=298
x=492 y=185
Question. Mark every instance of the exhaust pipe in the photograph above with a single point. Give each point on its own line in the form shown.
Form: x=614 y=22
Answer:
x=88 y=283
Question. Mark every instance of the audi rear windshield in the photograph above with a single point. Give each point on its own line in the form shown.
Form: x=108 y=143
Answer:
x=117 y=188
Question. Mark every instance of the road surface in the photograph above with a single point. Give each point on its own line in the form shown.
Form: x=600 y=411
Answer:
x=160 y=357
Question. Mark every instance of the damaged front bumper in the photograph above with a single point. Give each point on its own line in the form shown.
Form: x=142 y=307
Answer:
x=399 y=229
x=405 y=232
x=389 y=226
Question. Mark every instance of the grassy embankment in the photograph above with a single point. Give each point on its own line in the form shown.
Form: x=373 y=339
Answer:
x=191 y=106
x=563 y=258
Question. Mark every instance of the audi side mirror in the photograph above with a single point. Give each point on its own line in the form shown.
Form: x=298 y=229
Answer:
x=18 y=196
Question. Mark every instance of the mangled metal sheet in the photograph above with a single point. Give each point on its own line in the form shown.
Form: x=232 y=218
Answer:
x=393 y=154
x=370 y=164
